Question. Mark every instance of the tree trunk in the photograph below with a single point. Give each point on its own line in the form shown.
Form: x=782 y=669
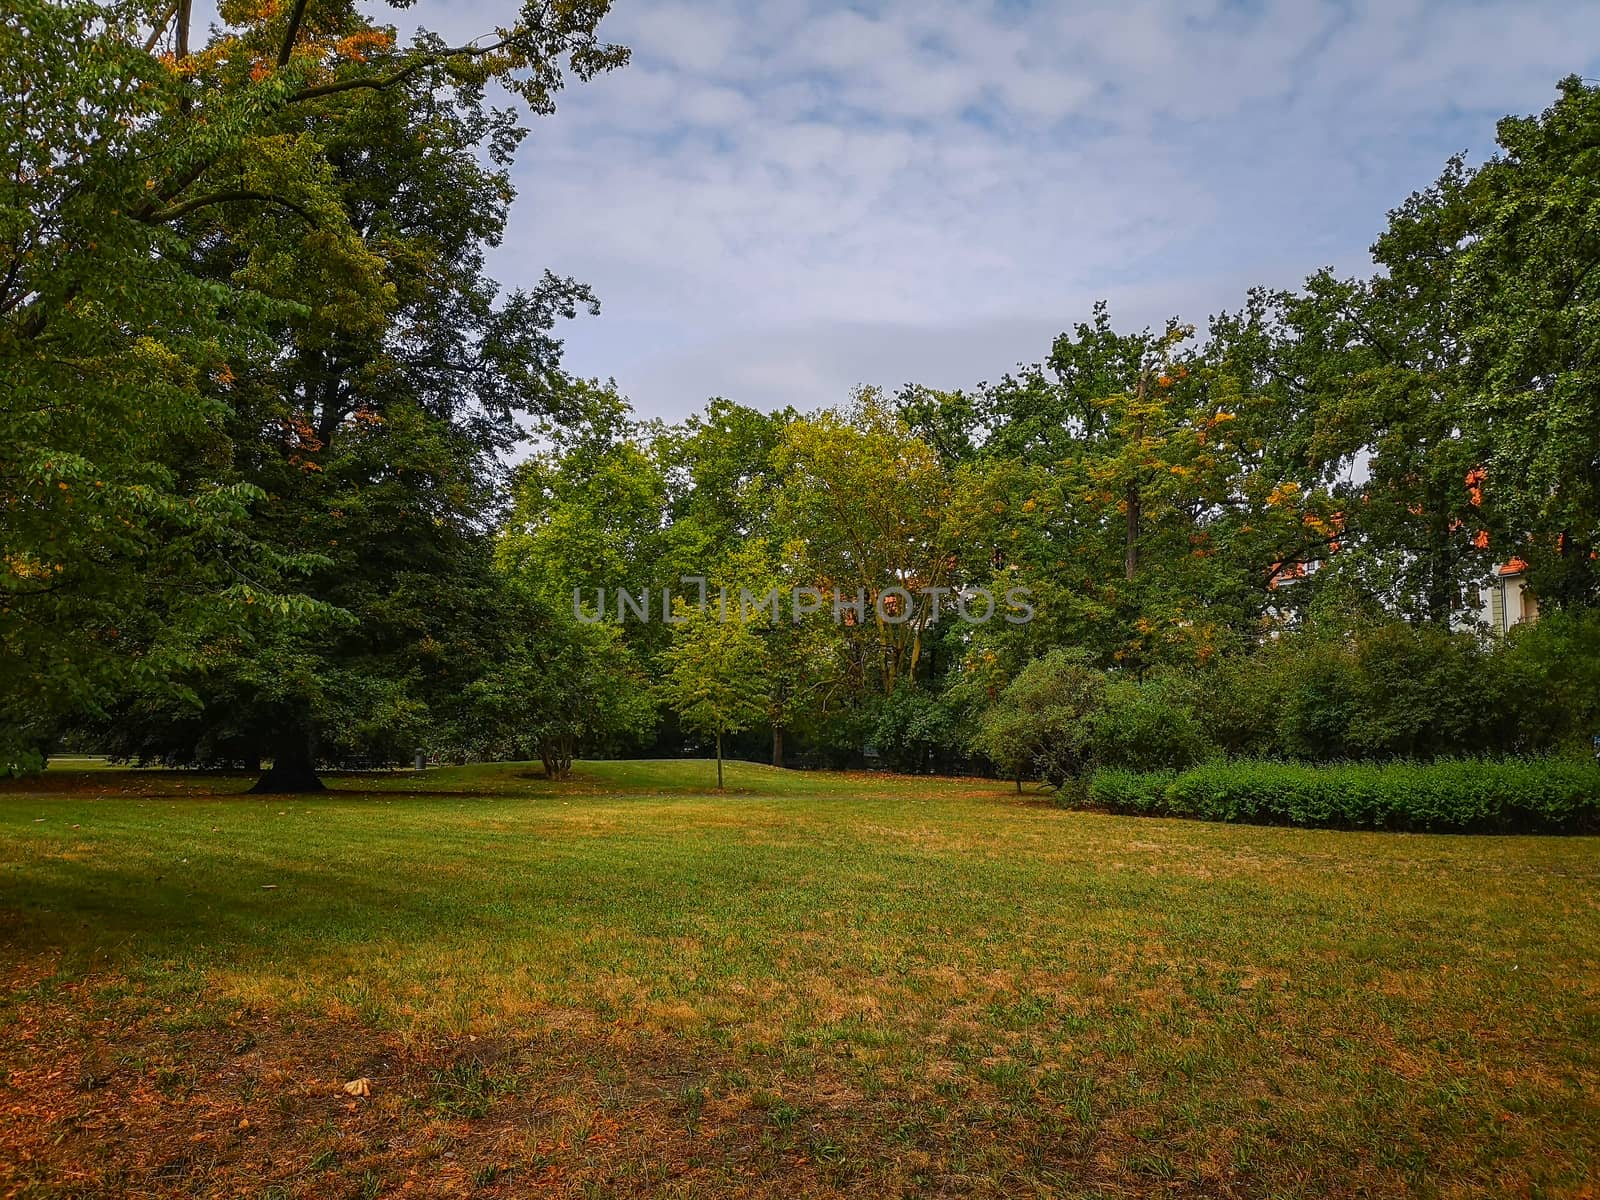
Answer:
x=777 y=745
x=293 y=770
x=556 y=755
x=1130 y=553
x=719 y=761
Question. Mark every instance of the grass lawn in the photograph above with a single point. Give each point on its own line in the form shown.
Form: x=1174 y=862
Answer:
x=814 y=984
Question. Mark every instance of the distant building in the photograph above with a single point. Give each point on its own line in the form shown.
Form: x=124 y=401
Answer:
x=1506 y=600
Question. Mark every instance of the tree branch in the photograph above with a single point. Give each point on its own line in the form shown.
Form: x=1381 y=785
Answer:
x=149 y=213
x=161 y=27
x=224 y=197
x=1302 y=556
x=400 y=76
x=296 y=15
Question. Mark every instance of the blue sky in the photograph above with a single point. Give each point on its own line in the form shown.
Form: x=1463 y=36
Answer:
x=780 y=199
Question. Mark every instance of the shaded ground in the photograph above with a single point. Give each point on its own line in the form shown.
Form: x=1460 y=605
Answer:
x=815 y=985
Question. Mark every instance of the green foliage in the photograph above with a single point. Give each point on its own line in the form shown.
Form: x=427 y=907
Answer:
x=1461 y=795
x=112 y=352
x=1042 y=726
x=1549 y=675
x=1136 y=793
x=1526 y=262
x=865 y=507
x=1143 y=489
x=714 y=674
x=1240 y=700
x=1362 y=689
x=1382 y=689
x=247 y=353
x=561 y=687
x=917 y=731
x=1062 y=717
x=1321 y=693
x=1148 y=726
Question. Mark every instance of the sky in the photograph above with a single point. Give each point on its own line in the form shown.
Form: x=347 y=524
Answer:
x=778 y=200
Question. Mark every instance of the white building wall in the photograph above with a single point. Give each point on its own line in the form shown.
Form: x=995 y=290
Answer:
x=1506 y=602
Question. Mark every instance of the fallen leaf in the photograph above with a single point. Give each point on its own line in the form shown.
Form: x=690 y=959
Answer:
x=359 y=1087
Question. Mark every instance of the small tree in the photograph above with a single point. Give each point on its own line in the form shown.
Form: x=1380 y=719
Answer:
x=562 y=687
x=1044 y=721
x=714 y=675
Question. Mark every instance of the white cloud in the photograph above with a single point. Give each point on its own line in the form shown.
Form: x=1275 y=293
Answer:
x=693 y=37
x=778 y=200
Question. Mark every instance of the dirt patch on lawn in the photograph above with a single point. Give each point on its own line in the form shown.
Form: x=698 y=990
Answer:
x=105 y=1103
x=108 y=1091
x=106 y=1094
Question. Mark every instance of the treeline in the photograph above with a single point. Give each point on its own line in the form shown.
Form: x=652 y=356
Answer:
x=1310 y=667
x=259 y=397
x=1267 y=540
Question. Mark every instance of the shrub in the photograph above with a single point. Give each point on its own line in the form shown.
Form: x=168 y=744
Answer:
x=1137 y=793
x=1041 y=727
x=1422 y=693
x=1322 y=698
x=1146 y=726
x=1465 y=795
x=1550 y=682
x=1241 y=699
x=1385 y=690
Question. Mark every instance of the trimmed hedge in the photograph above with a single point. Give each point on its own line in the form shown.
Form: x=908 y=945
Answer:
x=1513 y=796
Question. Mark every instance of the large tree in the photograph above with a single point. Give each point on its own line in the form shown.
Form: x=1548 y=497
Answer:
x=114 y=355
x=266 y=252
x=1141 y=489
x=1527 y=266
x=864 y=508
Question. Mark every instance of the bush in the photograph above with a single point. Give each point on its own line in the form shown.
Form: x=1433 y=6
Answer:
x=1322 y=699
x=1241 y=700
x=1136 y=793
x=1387 y=690
x=1550 y=682
x=1369 y=690
x=1042 y=725
x=1147 y=726
x=1419 y=695
x=1463 y=795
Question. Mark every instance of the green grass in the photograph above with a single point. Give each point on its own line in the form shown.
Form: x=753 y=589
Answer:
x=812 y=984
